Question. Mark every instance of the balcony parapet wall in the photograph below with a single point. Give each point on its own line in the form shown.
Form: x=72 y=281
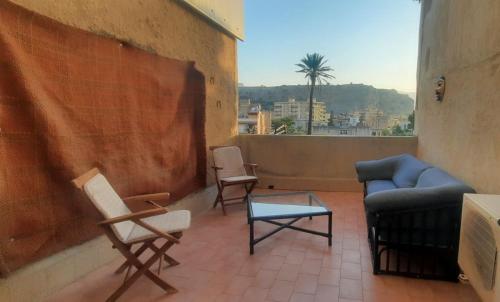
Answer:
x=323 y=163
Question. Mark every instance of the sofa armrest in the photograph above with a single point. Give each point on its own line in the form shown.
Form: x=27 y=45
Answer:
x=414 y=198
x=376 y=169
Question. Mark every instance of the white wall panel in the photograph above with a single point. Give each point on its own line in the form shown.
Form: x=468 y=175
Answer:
x=226 y=13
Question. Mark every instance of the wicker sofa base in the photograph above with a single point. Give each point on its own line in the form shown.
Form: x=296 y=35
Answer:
x=413 y=212
x=408 y=251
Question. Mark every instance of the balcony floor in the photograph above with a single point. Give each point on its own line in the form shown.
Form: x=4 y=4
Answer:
x=289 y=266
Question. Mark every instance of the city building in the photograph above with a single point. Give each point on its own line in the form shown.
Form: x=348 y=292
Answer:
x=366 y=122
x=299 y=112
x=243 y=107
x=399 y=120
x=374 y=117
x=252 y=119
x=349 y=124
x=344 y=120
x=459 y=134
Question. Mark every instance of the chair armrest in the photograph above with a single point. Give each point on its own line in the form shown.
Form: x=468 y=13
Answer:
x=136 y=218
x=252 y=167
x=152 y=199
x=413 y=198
x=164 y=196
x=133 y=216
x=156 y=231
x=212 y=148
x=376 y=169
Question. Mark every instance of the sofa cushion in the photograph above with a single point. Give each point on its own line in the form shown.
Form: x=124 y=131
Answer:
x=434 y=177
x=379 y=185
x=377 y=169
x=407 y=171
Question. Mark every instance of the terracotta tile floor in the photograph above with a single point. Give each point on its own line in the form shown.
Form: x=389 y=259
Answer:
x=289 y=266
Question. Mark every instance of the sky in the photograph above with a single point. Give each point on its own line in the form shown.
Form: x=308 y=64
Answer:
x=374 y=42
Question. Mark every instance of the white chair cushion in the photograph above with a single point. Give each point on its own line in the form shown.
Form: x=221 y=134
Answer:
x=238 y=178
x=230 y=160
x=170 y=222
x=105 y=199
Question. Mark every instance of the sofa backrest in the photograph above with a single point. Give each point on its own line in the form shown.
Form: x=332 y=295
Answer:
x=408 y=170
x=446 y=186
x=435 y=177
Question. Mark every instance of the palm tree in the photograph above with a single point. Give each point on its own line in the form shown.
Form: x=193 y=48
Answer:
x=313 y=65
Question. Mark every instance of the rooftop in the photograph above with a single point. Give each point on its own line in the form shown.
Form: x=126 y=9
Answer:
x=290 y=266
x=51 y=248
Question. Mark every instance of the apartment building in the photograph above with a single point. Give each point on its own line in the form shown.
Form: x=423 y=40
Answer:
x=299 y=111
x=252 y=119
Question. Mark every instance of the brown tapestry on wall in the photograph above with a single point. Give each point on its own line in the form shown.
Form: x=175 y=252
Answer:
x=71 y=100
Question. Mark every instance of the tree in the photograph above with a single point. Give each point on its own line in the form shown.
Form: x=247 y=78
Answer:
x=315 y=70
x=398 y=131
x=287 y=121
x=411 y=121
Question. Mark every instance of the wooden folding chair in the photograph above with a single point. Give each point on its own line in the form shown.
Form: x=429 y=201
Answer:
x=125 y=228
x=230 y=171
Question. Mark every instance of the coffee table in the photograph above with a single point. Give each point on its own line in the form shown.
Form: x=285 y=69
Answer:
x=291 y=206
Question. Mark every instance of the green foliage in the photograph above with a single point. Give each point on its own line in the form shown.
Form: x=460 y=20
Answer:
x=316 y=72
x=411 y=120
x=314 y=68
x=287 y=121
x=398 y=131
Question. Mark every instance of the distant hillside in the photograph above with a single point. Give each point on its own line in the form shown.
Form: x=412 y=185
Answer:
x=339 y=98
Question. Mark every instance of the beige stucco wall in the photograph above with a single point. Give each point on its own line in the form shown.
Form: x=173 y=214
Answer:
x=460 y=39
x=324 y=163
x=169 y=29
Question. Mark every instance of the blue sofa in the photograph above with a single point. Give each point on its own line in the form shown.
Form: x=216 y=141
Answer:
x=413 y=209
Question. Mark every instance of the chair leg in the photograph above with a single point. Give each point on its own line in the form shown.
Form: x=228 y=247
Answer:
x=127 y=273
x=221 y=199
x=171 y=261
x=217 y=199
x=143 y=269
x=159 y=266
x=223 y=207
x=137 y=253
x=249 y=190
x=148 y=244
